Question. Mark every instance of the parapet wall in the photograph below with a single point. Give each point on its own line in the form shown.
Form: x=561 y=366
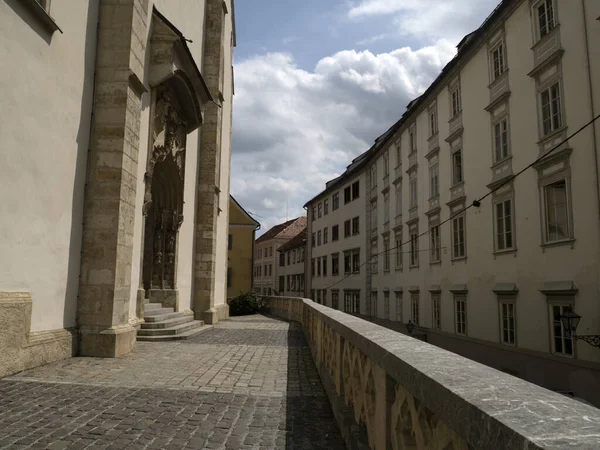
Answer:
x=406 y=394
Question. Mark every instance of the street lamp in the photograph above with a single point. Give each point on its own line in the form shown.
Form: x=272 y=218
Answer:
x=570 y=320
x=410 y=327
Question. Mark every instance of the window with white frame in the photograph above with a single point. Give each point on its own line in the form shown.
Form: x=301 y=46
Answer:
x=412 y=191
x=386 y=164
x=335 y=264
x=562 y=341
x=458 y=237
x=398 y=295
x=433 y=122
x=398 y=147
x=318 y=239
x=386 y=207
x=398 y=250
x=373 y=304
x=460 y=308
x=326 y=206
x=320 y=208
x=504 y=225
x=556 y=211
x=545 y=17
x=414 y=308
x=455 y=97
x=325 y=265
x=457 y=167
x=434 y=180
x=551 y=109
x=318 y=267
x=501 y=149
x=507 y=322
x=412 y=139
x=335 y=299
x=374 y=215
x=335 y=201
x=434 y=242
x=414 y=248
x=374 y=256
x=386 y=305
x=325 y=235
x=498 y=60
x=386 y=254
x=436 y=311
x=398 y=199
x=355 y=225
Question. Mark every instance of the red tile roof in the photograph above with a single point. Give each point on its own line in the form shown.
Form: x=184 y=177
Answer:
x=298 y=241
x=284 y=230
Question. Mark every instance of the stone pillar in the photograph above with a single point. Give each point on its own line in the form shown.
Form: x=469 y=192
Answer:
x=107 y=252
x=209 y=167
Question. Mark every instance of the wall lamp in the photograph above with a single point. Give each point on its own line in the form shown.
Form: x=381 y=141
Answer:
x=570 y=320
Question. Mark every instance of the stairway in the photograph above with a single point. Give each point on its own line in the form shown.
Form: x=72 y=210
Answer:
x=164 y=324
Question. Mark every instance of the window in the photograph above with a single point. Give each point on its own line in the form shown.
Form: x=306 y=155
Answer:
x=335 y=201
x=545 y=14
x=412 y=191
x=356 y=261
x=398 y=251
x=335 y=264
x=281 y=259
x=434 y=177
x=320 y=209
x=562 y=342
x=266 y=270
x=314 y=213
x=313 y=239
x=335 y=299
x=281 y=284
x=457 y=167
x=398 y=199
x=498 y=60
x=335 y=233
x=318 y=237
x=325 y=235
x=355 y=190
x=289 y=282
x=551 y=109
x=386 y=207
x=398 y=306
x=347 y=195
x=270 y=251
x=460 y=307
x=398 y=146
x=312 y=267
x=270 y=269
x=458 y=237
x=319 y=296
x=260 y=253
x=352 y=301
x=374 y=176
x=433 y=123
x=326 y=206
x=288 y=258
x=269 y=292
x=436 y=311
x=229 y=242
x=347 y=263
x=507 y=323
x=374 y=214
x=347 y=229
x=318 y=267
x=556 y=211
x=434 y=235
x=414 y=303
x=386 y=164
x=229 y=276
x=414 y=249
x=324 y=296
x=355 y=223
x=455 y=102
x=374 y=256
x=294 y=256
x=386 y=254
x=504 y=235
x=501 y=140
x=325 y=266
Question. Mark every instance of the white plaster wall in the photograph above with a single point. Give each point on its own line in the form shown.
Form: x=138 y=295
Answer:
x=265 y=281
x=46 y=89
x=531 y=266
x=337 y=217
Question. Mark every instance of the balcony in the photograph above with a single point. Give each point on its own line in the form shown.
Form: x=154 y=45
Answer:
x=398 y=221
x=412 y=161
x=397 y=174
x=386 y=183
x=374 y=192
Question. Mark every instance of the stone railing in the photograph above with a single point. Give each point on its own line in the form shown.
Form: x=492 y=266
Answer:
x=390 y=391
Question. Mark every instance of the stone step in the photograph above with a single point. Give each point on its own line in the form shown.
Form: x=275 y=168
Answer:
x=158 y=311
x=182 y=318
x=152 y=306
x=176 y=337
x=176 y=329
x=162 y=317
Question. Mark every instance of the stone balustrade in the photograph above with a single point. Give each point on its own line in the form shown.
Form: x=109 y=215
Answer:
x=390 y=391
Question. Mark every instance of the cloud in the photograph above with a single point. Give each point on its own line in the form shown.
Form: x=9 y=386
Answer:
x=427 y=20
x=294 y=129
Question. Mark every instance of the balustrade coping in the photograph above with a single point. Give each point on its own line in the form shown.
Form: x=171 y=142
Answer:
x=490 y=409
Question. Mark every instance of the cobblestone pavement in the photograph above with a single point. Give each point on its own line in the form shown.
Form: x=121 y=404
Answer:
x=250 y=383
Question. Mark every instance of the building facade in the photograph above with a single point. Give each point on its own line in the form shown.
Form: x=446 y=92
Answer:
x=482 y=217
x=240 y=247
x=266 y=258
x=292 y=264
x=114 y=173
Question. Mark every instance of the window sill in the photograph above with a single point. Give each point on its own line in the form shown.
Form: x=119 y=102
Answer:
x=553 y=134
x=413 y=267
x=398 y=269
x=42 y=15
x=436 y=263
x=459 y=259
x=500 y=162
x=561 y=243
x=509 y=251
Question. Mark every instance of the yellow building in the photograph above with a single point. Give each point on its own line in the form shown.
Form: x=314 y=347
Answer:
x=242 y=231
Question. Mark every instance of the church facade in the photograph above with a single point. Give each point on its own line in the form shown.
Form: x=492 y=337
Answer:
x=114 y=171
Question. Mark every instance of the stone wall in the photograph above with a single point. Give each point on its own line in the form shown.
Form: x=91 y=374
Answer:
x=406 y=394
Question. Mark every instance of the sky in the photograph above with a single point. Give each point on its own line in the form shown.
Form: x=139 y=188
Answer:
x=317 y=81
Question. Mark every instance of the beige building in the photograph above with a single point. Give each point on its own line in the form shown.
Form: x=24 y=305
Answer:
x=266 y=258
x=114 y=173
x=491 y=281
x=292 y=264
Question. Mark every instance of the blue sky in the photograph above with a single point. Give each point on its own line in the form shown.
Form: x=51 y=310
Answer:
x=318 y=81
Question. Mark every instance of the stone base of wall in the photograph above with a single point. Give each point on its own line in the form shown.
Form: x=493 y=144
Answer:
x=106 y=342
x=215 y=314
x=22 y=349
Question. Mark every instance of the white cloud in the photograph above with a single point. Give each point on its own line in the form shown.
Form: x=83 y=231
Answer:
x=428 y=19
x=294 y=130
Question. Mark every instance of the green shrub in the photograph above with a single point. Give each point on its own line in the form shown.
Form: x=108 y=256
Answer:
x=245 y=304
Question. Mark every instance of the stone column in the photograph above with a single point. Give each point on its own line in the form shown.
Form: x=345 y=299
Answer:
x=209 y=167
x=105 y=285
